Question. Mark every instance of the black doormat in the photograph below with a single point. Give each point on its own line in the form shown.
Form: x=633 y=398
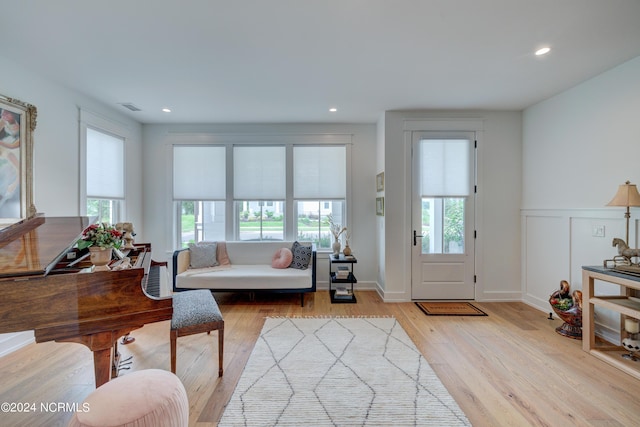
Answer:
x=439 y=308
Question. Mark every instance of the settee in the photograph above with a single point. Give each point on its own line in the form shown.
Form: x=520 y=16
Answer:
x=250 y=266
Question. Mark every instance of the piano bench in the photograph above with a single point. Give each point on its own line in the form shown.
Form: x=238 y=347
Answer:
x=196 y=312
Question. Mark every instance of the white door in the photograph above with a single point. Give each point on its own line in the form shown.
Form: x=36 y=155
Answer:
x=443 y=193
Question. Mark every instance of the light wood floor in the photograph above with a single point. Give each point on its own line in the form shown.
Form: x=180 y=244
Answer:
x=508 y=369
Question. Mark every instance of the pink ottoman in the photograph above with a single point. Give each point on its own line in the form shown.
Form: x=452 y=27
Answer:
x=151 y=397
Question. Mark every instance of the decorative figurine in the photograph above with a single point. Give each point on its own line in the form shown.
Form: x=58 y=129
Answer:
x=568 y=307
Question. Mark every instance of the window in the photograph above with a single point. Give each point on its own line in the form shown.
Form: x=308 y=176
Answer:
x=249 y=191
x=104 y=176
x=259 y=189
x=319 y=189
x=260 y=220
x=199 y=192
x=313 y=221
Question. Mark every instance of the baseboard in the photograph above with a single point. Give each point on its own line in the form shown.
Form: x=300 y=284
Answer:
x=12 y=342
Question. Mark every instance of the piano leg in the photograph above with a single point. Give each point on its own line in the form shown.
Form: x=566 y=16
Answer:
x=103 y=346
x=102 y=365
x=105 y=351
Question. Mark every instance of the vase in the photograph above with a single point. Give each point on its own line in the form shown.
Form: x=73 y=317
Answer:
x=336 y=248
x=347 y=250
x=100 y=258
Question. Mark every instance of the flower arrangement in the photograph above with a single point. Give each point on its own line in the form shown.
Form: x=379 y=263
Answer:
x=336 y=229
x=100 y=235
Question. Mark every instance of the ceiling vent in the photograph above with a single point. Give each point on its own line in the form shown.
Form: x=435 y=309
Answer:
x=130 y=106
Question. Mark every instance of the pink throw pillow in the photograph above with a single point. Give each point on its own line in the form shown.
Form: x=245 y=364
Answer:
x=282 y=258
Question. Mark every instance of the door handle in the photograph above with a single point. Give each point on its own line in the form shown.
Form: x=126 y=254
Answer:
x=415 y=236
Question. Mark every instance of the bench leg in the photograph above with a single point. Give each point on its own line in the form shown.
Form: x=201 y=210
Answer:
x=220 y=348
x=174 y=338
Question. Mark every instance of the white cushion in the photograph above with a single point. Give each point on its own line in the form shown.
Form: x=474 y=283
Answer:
x=245 y=277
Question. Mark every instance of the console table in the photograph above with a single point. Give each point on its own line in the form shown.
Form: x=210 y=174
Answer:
x=626 y=303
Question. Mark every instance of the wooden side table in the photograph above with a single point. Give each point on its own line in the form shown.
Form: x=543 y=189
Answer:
x=624 y=302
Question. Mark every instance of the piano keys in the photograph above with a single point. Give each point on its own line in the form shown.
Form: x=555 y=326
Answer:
x=59 y=302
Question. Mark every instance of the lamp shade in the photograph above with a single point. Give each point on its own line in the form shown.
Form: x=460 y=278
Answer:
x=627 y=195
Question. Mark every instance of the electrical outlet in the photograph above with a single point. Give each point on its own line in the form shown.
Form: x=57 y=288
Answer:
x=598 y=231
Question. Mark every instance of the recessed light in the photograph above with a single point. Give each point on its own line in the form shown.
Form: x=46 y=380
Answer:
x=543 y=51
x=166 y=110
x=333 y=110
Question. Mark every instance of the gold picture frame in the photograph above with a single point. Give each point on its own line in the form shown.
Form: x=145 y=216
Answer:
x=17 y=125
x=380 y=206
x=380 y=182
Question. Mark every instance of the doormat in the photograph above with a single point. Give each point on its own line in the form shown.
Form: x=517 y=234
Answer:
x=438 y=308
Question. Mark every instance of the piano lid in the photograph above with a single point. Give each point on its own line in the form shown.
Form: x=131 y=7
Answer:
x=35 y=245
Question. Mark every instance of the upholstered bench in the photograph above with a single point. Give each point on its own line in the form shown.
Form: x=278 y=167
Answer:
x=151 y=397
x=195 y=312
x=245 y=266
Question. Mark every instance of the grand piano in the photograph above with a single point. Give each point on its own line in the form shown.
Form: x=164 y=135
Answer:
x=44 y=289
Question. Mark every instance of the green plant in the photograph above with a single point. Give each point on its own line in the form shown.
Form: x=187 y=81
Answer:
x=101 y=235
x=454 y=220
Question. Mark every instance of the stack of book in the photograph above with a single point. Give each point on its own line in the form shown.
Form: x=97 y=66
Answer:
x=343 y=293
x=342 y=272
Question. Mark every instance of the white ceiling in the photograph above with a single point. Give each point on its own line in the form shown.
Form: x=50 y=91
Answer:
x=290 y=60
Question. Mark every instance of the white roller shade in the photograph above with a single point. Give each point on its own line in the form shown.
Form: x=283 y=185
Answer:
x=105 y=165
x=199 y=173
x=319 y=172
x=259 y=173
x=444 y=166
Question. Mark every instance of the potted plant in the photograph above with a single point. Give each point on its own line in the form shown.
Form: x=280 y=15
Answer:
x=100 y=239
x=336 y=230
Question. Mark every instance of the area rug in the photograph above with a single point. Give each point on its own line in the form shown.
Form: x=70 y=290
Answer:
x=339 y=372
x=450 y=309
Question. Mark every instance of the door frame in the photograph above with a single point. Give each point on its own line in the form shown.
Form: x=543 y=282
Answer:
x=465 y=290
x=443 y=124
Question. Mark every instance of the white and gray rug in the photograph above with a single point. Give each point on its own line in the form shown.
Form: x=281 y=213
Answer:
x=339 y=372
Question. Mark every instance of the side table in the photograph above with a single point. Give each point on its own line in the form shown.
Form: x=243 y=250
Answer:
x=341 y=279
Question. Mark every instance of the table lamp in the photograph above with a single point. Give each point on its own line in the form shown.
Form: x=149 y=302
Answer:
x=626 y=196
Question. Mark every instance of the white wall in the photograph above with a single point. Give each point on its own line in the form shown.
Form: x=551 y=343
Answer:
x=497 y=202
x=56 y=151
x=157 y=140
x=578 y=146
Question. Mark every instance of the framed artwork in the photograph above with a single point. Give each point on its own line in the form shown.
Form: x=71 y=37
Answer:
x=380 y=182
x=380 y=206
x=17 y=124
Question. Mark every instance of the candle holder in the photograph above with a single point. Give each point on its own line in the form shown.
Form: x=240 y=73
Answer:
x=631 y=342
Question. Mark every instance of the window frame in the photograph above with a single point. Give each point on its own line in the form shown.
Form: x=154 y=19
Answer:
x=95 y=122
x=289 y=141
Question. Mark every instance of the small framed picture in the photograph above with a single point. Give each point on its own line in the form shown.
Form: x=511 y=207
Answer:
x=380 y=206
x=380 y=182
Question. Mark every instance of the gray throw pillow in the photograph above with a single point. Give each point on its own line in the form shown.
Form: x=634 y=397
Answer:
x=301 y=256
x=202 y=255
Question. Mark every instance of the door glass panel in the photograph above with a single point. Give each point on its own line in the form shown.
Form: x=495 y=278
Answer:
x=442 y=225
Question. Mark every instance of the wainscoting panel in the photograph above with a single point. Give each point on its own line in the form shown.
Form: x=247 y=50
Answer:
x=546 y=256
x=557 y=243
